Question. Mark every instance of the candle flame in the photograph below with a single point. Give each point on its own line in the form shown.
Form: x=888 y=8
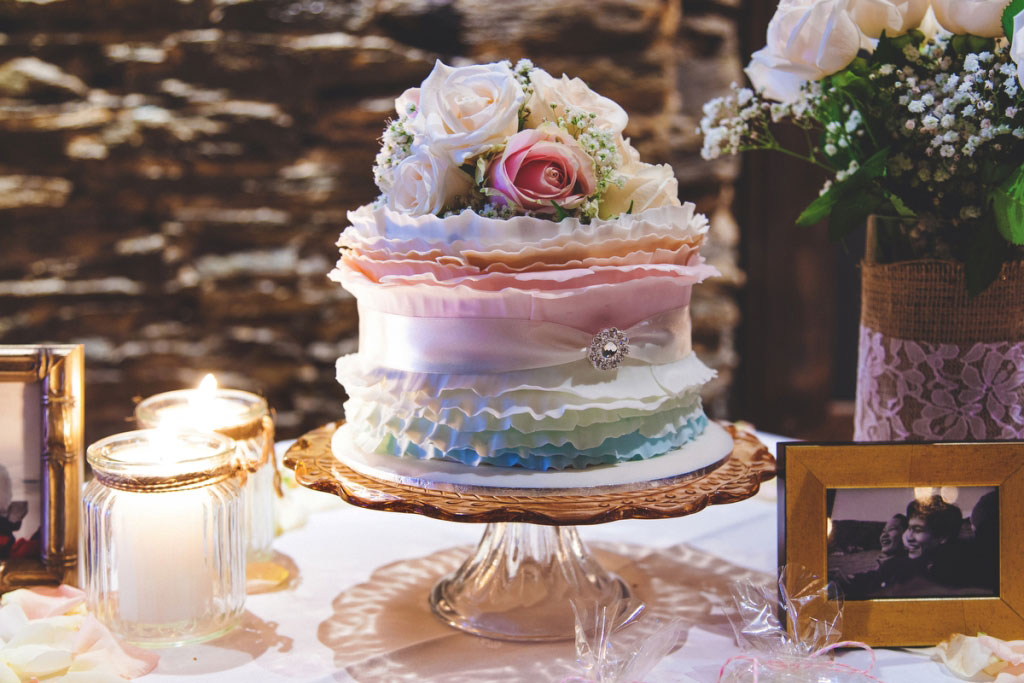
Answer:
x=208 y=387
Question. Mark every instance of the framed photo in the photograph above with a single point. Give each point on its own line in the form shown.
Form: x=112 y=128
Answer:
x=922 y=538
x=41 y=463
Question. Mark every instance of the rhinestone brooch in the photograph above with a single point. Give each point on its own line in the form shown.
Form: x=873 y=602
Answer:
x=609 y=348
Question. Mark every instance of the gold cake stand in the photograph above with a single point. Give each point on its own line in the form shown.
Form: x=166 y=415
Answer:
x=531 y=561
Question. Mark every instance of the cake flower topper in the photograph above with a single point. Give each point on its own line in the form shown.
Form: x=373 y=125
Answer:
x=508 y=141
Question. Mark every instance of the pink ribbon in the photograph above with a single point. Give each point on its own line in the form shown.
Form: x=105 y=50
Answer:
x=488 y=345
x=833 y=666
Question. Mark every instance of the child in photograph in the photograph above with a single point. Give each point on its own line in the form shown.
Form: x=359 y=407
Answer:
x=890 y=563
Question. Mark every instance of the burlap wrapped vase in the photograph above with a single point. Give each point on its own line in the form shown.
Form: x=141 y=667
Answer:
x=934 y=365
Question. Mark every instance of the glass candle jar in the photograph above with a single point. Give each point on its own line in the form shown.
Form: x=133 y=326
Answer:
x=245 y=418
x=164 y=553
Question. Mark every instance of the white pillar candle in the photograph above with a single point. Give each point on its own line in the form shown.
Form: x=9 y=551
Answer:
x=164 y=552
x=228 y=411
x=162 y=571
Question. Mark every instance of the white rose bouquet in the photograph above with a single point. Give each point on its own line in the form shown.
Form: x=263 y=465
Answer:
x=506 y=140
x=916 y=110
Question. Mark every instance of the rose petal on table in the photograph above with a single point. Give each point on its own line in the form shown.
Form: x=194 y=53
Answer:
x=30 y=661
x=1010 y=651
x=54 y=632
x=45 y=601
x=1014 y=674
x=12 y=619
x=96 y=676
x=964 y=655
x=127 y=660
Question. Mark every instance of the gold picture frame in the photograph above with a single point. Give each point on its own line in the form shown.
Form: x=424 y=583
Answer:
x=58 y=370
x=807 y=471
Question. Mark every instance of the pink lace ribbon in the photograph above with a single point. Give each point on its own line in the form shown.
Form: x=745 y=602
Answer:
x=921 y=391
x=806 y=662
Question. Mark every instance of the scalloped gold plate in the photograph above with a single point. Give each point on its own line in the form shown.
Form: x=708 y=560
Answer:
x=738 y=478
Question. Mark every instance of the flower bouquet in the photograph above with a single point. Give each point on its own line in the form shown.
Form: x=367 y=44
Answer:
x=915 y=109
x=918 y=122
x=505 y=141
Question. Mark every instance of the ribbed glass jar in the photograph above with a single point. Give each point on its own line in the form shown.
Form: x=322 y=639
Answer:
x=243 y=416
x=164 y=552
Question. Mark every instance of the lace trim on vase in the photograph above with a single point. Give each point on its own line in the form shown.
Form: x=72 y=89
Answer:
x=920 y=391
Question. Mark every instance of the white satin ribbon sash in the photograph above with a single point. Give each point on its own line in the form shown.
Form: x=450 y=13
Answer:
x=492 y=345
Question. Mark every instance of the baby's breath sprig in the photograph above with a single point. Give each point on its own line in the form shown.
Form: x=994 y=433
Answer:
x=522 y=70
x=600 y=145
x=396 y=145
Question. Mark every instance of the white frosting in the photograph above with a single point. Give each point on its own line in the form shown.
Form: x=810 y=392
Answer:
x=397 y=233
x=433 y=274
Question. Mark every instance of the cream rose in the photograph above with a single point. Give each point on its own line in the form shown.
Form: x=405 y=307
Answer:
x=807 y=40
x=408 y=103
x=424 y=183
x=1017 y=45
x=895 y=17
x=565 y=92
x=468 y=110
x=647 y=186
x=977 y=17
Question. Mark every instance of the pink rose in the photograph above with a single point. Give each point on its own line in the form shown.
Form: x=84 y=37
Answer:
x=540 y=166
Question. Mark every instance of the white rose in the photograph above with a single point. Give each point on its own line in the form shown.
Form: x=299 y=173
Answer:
x=563 y=92
x=647 y=187
x=895 y=17
x=807 y=40
x=977 y=17
x=1017 y=45
x=467 y=110
x=425 y=183
x=408 y=103
x=930 y=25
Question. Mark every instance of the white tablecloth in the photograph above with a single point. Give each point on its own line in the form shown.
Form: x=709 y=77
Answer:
x=356 y=609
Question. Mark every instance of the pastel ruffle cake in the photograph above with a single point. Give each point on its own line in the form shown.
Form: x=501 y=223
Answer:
x=523 y=282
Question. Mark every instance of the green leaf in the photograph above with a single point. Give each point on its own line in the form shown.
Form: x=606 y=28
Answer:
x=823 y=206
x=967 y=44
x=1009 y=14
x=886 y=52
x=1008 y=206
x=984 y=259
x=630 y=209
x=820 y=208
x=901 y=207
x=559 y=211
x=851 y=213
x=875 y=166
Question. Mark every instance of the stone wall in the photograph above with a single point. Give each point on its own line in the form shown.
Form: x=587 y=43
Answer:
x=173 y=174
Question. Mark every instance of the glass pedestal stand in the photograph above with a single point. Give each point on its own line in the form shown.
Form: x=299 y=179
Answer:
x=517 y=583
x=530 y=562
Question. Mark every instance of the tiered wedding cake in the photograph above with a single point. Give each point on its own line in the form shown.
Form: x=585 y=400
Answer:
x=523 y=282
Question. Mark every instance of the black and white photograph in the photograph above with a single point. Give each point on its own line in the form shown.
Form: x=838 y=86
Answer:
x=914 y=542
x=20 y=475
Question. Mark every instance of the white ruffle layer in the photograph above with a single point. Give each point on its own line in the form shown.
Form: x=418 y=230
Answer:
x=562 y=416
x=393 y=233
